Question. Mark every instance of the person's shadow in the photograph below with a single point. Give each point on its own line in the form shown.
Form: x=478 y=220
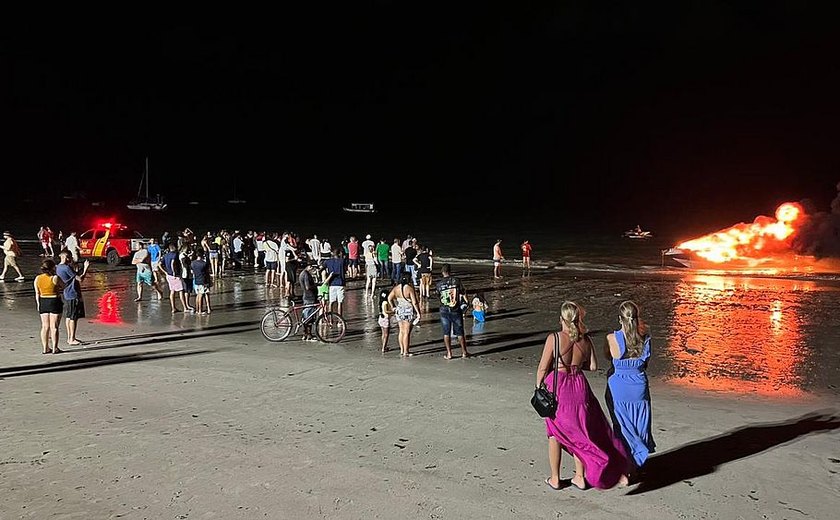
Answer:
x=703 y=457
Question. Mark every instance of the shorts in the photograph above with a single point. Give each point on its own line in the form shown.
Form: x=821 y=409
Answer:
x=74 y=309
x=201 y=288
x=497 y=261
x=144 y=277
x=50 y=305
x=405 y=312
x=271 y=266
x=175 y=283
x=309 y=311
x=10 y=261
x=336 y=293
x=188 y=285
x=370 y=269
x=385 y=322
x=451 y=321
x=156 y=266
x=214 y=254
x=354 y=262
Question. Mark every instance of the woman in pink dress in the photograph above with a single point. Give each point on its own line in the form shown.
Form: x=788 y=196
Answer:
x=579 y=425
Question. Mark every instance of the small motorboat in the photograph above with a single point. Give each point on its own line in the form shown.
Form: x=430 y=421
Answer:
x=360 y=207
x=637 y=233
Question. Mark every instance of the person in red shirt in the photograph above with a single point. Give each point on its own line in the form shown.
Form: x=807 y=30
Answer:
x=353 y=256
x=526 y=255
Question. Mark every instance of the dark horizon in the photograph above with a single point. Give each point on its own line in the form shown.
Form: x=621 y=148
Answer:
x=693 y=116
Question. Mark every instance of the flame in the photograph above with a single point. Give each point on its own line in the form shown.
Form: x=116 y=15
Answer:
x=764 y=237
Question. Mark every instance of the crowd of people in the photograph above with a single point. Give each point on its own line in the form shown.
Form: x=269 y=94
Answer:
x=606 y=452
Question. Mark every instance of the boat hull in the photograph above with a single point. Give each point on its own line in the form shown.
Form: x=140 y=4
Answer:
x=781 y=263
x=147 y=207
x=360 y=207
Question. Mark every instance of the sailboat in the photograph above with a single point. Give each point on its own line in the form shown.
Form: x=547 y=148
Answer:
x=235 y=199
x=145 y=202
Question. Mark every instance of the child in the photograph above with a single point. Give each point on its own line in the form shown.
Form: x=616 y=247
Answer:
x=479 y=307
x=386 y=313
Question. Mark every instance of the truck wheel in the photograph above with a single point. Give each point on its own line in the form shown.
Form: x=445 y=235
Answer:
x=113 y=257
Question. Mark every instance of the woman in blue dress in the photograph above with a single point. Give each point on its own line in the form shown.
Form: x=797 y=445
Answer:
x=628 y=394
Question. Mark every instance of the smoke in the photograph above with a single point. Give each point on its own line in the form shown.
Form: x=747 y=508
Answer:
x=820 y=235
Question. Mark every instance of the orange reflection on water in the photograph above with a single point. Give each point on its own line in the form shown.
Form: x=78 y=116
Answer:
x=738 y=335
x=109 y=308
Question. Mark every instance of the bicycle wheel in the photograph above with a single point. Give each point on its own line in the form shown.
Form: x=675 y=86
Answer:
x=276 y=325
x=330 y=327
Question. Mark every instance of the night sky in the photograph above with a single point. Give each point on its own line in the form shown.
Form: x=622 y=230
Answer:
x=678 y=115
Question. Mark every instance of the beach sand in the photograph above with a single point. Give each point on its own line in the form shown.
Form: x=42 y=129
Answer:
x=184 y=416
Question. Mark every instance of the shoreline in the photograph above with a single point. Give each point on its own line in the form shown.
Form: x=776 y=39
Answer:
x=199 y=416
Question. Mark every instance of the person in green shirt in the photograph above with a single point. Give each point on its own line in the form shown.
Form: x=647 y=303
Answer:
x=383 y=252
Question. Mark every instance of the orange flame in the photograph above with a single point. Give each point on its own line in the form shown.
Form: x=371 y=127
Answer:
x=765 y=236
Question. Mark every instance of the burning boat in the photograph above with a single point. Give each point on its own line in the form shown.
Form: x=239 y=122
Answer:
x=765 y=243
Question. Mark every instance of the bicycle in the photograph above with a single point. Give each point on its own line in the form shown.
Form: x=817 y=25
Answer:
x=277 y=323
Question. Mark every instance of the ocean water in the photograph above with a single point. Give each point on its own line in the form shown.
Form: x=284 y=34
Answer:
x=456 y=238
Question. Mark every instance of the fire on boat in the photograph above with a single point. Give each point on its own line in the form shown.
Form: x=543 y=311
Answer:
x=764 y=243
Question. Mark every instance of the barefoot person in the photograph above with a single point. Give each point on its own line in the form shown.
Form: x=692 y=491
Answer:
x=579 y=425
x=498 y=258
x=526 y=255
x=48 y=301
x=452 y=304
x=11 y=250
x=172 y=267
x=202 y=282
x=74 y=305
x=403 y=299
x=386 y=315
x=142 y=260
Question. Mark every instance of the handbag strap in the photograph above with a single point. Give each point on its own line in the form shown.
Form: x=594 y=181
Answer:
x=556 y=360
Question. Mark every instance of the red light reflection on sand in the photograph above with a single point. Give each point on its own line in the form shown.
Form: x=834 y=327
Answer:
x=737 y=335
x=109 y=308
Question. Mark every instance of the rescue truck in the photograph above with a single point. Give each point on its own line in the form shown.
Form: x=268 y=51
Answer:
x=113 y=242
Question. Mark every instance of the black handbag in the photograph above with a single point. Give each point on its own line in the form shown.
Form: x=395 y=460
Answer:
x=543 y=401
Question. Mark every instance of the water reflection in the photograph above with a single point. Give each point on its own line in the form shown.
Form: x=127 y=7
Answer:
x=109 y=308
x=740 y=335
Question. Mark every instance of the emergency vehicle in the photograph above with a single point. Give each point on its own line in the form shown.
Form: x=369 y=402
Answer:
x=113 y=242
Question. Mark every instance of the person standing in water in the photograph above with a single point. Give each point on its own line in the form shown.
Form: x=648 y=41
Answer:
x=498 y=258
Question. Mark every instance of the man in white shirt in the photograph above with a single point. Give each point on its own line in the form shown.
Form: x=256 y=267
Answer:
x=272 y=250
x=315 y=249
x=326 y=248
x=72 y=245
x=396 y=261
x=368 y=242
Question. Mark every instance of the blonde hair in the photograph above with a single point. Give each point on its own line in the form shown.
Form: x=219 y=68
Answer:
x=570 y=316
x=628 y=316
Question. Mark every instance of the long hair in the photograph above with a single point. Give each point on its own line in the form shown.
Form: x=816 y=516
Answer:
x=628 y=316
x=570 y=315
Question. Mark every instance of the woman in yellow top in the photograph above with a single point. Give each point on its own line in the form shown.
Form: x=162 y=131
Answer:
x=48 y=288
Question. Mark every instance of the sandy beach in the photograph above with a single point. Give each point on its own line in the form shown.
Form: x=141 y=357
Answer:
x=184 y=416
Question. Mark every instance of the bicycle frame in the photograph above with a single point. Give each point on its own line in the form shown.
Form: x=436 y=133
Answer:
x=278 y=324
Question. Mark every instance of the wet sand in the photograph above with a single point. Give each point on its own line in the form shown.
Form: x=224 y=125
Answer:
x=184 y=416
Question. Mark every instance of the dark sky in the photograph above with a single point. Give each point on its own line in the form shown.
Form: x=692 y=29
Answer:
x=623 y=112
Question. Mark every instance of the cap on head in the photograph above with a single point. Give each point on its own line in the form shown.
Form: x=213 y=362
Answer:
x=367 y=237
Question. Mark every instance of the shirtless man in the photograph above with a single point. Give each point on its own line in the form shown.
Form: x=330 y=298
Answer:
x=498 y=257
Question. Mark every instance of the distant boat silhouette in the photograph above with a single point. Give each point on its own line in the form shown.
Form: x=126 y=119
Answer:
x=145 y=202
x=235 y=199
x=360 y=207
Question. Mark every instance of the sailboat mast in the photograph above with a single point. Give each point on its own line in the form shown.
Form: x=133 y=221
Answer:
x=147 y=177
